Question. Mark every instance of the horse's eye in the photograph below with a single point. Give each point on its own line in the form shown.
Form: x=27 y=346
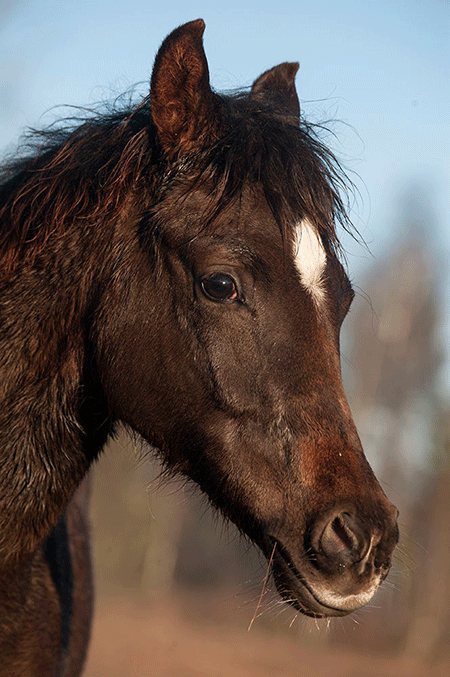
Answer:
x=219 y=287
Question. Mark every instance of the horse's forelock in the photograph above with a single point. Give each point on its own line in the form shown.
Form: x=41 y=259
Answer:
x=295 y=172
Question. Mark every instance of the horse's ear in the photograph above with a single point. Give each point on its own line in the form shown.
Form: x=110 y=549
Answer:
x=278 y=85
x=180 y=95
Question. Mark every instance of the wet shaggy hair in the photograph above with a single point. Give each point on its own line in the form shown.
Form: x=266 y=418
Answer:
x=84 y=168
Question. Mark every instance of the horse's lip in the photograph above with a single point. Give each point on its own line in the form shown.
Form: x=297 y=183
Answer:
x=295 y=589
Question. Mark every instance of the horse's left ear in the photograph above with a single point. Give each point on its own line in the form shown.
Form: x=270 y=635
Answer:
x=278 y=85
x=181 y=98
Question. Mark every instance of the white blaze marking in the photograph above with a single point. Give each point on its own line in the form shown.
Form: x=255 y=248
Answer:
x=310 y=259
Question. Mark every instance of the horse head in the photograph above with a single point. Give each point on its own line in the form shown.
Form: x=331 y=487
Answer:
x=223 y=347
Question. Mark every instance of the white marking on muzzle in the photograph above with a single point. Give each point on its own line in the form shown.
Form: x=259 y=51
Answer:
x=310 y=259
x=344 y=602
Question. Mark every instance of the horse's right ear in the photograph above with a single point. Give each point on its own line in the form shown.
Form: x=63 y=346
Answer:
x=278 y=85
x=180 y=95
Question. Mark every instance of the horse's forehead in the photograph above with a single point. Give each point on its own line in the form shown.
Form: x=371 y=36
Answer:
x=250 y=223
x=310 y=258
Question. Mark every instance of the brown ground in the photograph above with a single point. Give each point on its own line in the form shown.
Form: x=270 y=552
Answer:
x=182 y=639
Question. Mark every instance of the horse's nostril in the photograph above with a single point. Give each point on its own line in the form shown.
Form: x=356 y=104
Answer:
x=341 y=541
x=338 y=536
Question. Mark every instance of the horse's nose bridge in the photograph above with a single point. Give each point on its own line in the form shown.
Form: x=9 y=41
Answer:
x=332 y=462
x=339 y=478
x=333 y=468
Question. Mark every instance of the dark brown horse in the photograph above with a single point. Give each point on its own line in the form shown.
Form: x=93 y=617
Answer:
x=175 y=267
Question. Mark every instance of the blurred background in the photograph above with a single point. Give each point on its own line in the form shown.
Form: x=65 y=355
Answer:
x=176 y=590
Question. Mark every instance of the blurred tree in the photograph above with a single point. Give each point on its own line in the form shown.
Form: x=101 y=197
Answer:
x=394 y=350
x=136 y=526
x=394 y=361
x=429 y=631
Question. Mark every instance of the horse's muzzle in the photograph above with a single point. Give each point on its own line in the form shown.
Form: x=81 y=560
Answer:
x=341 y=564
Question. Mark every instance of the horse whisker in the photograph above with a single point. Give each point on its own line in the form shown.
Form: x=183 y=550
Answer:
x=266 y=578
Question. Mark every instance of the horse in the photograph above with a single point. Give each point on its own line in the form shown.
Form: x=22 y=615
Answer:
x=175 y=266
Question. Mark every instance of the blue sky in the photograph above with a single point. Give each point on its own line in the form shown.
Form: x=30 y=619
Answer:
x=378 y=67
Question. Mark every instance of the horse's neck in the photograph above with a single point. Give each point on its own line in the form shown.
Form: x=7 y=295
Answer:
x=46 y=601
x=43 y=446
x=52 y=425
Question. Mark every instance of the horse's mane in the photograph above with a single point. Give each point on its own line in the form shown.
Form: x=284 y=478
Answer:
x=84 y=167
x=78 y=169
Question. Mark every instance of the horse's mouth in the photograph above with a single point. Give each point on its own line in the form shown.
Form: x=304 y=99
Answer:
x=295 y=588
